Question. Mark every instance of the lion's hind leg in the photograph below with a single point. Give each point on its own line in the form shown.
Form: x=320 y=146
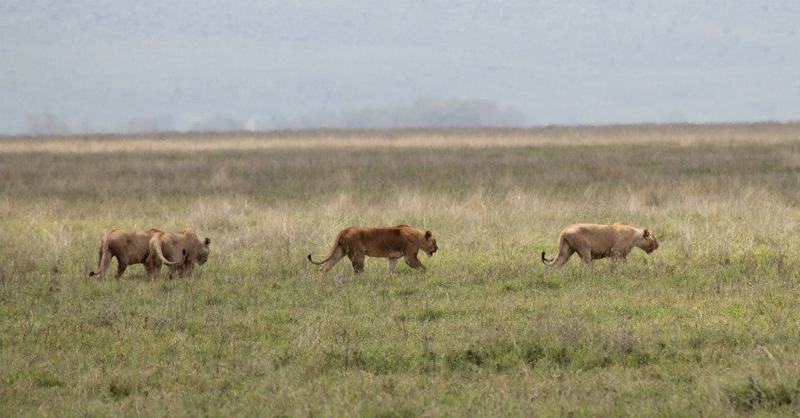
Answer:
x=392 y=267
x=152 y=265
x=582 y=246
x=358 y=262
x=105 y=261
x=172 y=272
x=565 y=251
x=338 y=253
x=122 y=264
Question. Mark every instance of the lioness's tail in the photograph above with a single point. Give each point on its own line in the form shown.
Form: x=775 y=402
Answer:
x=333 y=250
x=553 y=260
x=102 y=253
x=155 y=242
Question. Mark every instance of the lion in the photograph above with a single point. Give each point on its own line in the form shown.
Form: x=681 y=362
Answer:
x=129 y=247
x=184 y=248
x=593 y=242
x=391 y=242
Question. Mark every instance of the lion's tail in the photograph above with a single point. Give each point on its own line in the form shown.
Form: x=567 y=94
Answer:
x=155 y=243
x=552 y=261
x=102 y=253
x=336 y=244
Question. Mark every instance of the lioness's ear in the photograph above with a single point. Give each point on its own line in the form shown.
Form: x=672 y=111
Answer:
x=207 y=241
x=646 y=233
x=428 y=234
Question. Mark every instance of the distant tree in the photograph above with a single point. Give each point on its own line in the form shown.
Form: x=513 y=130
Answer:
x=431 y=112
x=87 y=127
x=217 y=123
x=160 y=123
x=47 y=124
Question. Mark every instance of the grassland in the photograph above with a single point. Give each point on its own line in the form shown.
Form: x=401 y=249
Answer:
x=707 y=325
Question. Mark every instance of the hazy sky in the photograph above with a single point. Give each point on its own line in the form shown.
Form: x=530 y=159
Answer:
x=556 y=62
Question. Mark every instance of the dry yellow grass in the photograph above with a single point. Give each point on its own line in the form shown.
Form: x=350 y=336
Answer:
x=685 y=135
x=707 y=325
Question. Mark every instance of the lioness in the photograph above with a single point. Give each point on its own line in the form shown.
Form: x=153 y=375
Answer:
x=392 y=243
x=593 y=242
x=184 y=249
x=130 y=247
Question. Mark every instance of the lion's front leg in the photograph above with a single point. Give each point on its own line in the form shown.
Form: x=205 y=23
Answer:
x=619 y=255
x=186 y=270
x=413 y=261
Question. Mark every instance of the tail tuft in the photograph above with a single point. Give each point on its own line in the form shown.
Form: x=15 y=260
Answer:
x=544 y=259
x=91 y=273
x=309 y=258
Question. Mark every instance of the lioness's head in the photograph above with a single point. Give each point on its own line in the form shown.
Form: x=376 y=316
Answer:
x=202 y=253
x=429 y=244
x=649 y=242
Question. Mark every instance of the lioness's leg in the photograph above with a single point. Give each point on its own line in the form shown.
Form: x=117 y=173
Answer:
x=564 y=256
x=392 y=265
x=565 y=251
x=337 y=255
x=105 y=261
x=585 y=254
x=122 y=264
x=152 y=270
x=358 y=262
x=582 y=246
x=413 y=262
x=186 y=270
x=152 y=265
x=619 y=255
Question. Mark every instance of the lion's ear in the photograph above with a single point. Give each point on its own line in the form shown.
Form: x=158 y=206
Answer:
x=428 y=234
x=646 y=233
x=207 y=241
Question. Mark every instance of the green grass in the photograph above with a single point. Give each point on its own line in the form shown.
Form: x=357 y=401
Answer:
x=707 y=325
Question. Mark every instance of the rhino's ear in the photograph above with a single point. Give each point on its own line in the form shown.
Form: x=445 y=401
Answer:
x=647 y=233
x=207 y=241
x=428 y=234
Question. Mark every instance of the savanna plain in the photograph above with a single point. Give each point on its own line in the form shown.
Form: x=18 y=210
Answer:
x=709 y=324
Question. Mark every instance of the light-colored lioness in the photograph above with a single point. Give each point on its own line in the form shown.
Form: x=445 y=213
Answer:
x=392 y=243
x=180 y=251
x=129 y=247
x=593 y=242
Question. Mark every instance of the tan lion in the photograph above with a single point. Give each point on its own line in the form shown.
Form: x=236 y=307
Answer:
x=392 y=243
x=180 y=251
x=129 y=247
x=593 y=242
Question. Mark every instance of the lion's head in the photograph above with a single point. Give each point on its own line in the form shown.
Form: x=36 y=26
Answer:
x=429 y=244
x=202 y=252
x=649 y=242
